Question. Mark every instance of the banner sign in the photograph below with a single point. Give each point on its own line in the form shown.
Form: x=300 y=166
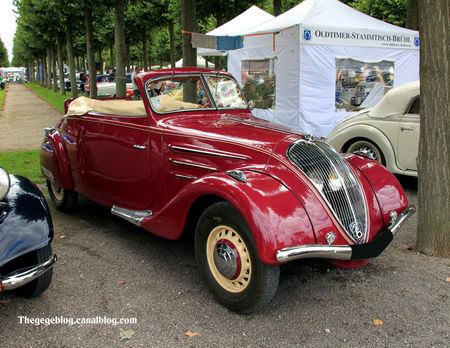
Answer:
x=342 y=37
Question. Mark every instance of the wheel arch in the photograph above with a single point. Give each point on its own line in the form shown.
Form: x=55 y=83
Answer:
x=342 y=140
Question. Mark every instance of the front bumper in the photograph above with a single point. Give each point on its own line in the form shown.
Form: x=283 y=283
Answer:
x=16 y=280
x=348 y=252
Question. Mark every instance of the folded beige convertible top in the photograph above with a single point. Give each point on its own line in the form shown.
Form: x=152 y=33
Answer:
x=83 y=105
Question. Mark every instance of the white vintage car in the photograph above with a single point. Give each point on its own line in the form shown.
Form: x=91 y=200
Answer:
x=108 y=89
x=387 y=133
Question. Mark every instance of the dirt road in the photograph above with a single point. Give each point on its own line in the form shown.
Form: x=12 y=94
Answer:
x=109 y=269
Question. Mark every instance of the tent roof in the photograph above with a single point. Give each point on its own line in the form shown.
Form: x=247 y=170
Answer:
x=247 y=19
x=201 y=62
x=324 y=13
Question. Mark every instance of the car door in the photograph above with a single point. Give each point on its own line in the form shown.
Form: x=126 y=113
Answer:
x=408 y=136
x=115 y=163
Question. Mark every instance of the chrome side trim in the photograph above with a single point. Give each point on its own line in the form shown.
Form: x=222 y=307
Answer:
x=184 y=176
x=204 y=152
x=194 y=165
x=343 y=252
x=16 y=280
x=400 y=220
x=133 y=216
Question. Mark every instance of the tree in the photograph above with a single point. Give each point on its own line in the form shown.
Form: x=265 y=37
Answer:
x=189 y=20
x=4 y=61
x=433 y=226
x=121 y=53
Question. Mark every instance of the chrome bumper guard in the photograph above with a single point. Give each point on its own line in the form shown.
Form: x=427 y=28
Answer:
x=349 y=252
x=16 y=280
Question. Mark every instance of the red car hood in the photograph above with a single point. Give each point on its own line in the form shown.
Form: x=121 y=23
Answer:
x=239 y=127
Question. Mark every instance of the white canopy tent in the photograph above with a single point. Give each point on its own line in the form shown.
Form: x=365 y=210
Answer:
x=201 y=63
x=315 y=64
x=246 y=20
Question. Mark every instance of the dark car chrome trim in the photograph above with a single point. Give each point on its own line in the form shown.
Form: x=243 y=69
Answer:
x=16 y=280
x=348 y=252
x=204 y=152
x=194 y=165
x=133 y=216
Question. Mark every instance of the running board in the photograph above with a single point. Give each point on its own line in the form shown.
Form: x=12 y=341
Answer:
x=133 y=216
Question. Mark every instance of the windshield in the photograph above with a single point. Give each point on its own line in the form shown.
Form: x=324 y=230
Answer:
x=172 y=94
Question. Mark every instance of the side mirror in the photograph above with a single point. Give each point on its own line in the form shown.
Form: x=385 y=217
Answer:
x=251 y=104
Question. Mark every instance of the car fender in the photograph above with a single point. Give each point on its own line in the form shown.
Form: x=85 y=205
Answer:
x=53 y=159
x=389 y=192
x=25 y=220
x=343 y=137
x=274 y=214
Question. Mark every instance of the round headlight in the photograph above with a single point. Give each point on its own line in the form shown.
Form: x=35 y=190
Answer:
x=4 y=183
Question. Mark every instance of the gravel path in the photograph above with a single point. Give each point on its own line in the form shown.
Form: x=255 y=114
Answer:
x=23 y=118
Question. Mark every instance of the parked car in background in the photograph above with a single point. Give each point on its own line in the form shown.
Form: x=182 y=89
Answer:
x=387 y=133
x=26 y=231
x=108 y=89
x=68 y=83
x=190 y=157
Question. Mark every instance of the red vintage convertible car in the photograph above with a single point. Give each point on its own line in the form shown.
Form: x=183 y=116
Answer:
x=190 y=155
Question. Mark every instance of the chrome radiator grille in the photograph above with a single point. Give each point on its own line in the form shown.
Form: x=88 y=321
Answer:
x=331 y=175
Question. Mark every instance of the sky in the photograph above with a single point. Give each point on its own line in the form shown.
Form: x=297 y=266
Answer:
x=7 y=24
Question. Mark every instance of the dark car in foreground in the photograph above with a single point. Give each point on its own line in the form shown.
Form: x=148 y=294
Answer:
x=26 y=231
x=190 y=157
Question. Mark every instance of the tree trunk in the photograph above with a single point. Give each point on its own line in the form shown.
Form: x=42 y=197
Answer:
x=70 y=58
x=412 y=15
x=189 y=20
x=55 y=75
x=62 y=91
x=172 y=43
x=44 y=71
x=49 y=69
x=276 y=7
x=144 y=49
x=433 y=226
x=121 y=54
x=90 y=52
x=100 y=58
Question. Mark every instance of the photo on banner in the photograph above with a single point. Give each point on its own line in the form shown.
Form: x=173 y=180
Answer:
x=360 y=83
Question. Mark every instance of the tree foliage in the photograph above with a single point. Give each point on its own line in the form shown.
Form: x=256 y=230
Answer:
x=4 y=61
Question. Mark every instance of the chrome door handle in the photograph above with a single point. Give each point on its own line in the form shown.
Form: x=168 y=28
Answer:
x=406 y=129
x=140 y=147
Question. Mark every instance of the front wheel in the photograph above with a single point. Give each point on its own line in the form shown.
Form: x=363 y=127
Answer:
x=64 y=200
x=367 y=147
x=227 y=258
x=40 y=284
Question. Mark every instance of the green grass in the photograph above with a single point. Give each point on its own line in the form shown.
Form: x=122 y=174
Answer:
x=25 y=163
x=53 y=98
x=2 y=96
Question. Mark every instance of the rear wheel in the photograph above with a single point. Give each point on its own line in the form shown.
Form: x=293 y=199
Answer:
x=38 y=285
x=227 y=257
x=366 y=146
x=64 y=200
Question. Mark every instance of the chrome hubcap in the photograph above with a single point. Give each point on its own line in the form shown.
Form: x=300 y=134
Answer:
x=226 y=259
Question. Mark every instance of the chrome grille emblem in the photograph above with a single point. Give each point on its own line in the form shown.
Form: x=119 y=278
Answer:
x=332 y=177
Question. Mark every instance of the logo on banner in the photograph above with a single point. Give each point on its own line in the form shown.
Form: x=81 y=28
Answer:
x=417 y=41
x=307 y=34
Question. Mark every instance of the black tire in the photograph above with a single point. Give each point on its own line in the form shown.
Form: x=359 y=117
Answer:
x=366 y=145
x=64 y=200
x=39 y=285
x=242 y=286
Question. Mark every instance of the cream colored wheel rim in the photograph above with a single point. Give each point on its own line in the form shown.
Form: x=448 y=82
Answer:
x=58 y=191
x=228 y=259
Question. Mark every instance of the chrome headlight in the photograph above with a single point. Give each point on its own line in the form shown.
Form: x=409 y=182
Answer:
x=4 y=183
